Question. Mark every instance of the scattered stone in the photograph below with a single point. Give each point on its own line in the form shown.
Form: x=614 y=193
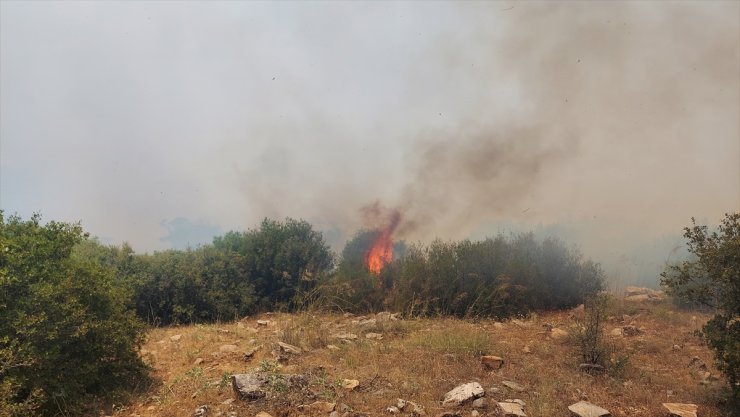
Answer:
x=474 y=413
x=287 y=348
x=198 y=361
x=401 y=404
x=638 y=297
x=393 y=410
x=617 y=332
x=227 y=401
x=263 y=322
x=345 y=336
x=480 y=403
x=228 y=348
x=498 y=325
x=558 y=334
x=631 y=330
x=367 y=322
x=201 y=411
x=590 y=367
x=263 y=414
x=526 y=349
x=248 y=355
x=494 y=390
x=676 y=347
x=254 y=386
x=517 y=400
x=374 y=336
x=416 y=409
x=511 y=410
x=643 y=294
x=513 y=386
x=492 y=362
x=586 y=409
x=463 y=393
x=176 y=337
x=681 y=410
x=343 y=408
x=350 y=384
x=319 y=407
x=332 y=347
x=696 y=362
x=335 y=413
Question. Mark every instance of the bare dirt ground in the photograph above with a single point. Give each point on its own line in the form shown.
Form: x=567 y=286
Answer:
x=420 y=360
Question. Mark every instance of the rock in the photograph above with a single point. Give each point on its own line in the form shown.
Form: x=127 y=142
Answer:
x=198 y=361
x=480 y=403
x=263 y=414
x=319 y=407
x=343 y=408
x=463 y=393
x=393 y=410
x=239 y=325
x=513 y=386
x=176 y=337
x=681 y=410
x=558 y=334
x=227 y=401
x=263 y=322
x=517 y=400
x=511 y=410
x=492 y=362
x=498 y=325
x=586 y=409
x=617 y=332
x=248 y=355
x=287 y=348
x=526 y=349
x=474 y=413
x=631 y=330
x=590 y=367
x=350 y=384
x=334 y=413
x=374 y=336
x=228 y=348
x=254 y=386
x=345 y=336
x=332 y=347
x=638 y=297
x=401 y=404
x=367 y=322
x=416 y=409
x=201 y=411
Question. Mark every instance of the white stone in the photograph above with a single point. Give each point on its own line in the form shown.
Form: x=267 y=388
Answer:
x=463 y=393
x=586 y=409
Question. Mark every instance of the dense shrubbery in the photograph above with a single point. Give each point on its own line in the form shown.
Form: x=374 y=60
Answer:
x=66 y=329
x=498 y=277
x=240 y=273
x=712 y=278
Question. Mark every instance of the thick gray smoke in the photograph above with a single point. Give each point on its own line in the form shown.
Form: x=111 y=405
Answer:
x=608 y=123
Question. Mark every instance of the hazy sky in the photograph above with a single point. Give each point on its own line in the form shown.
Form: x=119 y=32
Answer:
x=162 y=123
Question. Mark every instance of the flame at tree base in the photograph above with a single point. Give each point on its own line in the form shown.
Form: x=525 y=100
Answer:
x=380 y=253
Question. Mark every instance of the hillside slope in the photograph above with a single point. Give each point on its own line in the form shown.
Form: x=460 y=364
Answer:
x=420 y=360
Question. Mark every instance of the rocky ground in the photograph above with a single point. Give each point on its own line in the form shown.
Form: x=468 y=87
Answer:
x=342 y=365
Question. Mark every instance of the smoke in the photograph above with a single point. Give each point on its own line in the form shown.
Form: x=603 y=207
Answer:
x=618 y=120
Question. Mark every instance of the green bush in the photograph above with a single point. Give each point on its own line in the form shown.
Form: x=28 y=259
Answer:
x=498 y=277
x=712 y=278
x=67 y=332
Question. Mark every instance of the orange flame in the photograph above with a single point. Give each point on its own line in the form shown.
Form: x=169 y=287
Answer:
x=380 y=253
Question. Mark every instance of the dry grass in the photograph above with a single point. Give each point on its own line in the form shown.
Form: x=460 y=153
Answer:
x=420 y=360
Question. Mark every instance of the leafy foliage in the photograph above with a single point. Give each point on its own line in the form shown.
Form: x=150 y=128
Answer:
x=499 y=277
x=240 y=273
x=66 y=329
x=712 y=278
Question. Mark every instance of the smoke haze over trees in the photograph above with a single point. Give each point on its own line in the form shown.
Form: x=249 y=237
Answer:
x=186 y=120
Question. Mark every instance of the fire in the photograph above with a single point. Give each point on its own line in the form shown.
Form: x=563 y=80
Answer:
x=380 y=253
x=385 y=221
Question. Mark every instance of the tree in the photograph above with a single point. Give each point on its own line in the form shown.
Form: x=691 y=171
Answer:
x=66 y=330
x=712 y=278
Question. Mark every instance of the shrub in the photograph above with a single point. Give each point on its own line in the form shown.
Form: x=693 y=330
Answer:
x=66 y=330
x=589 y=333
x=712 y=278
